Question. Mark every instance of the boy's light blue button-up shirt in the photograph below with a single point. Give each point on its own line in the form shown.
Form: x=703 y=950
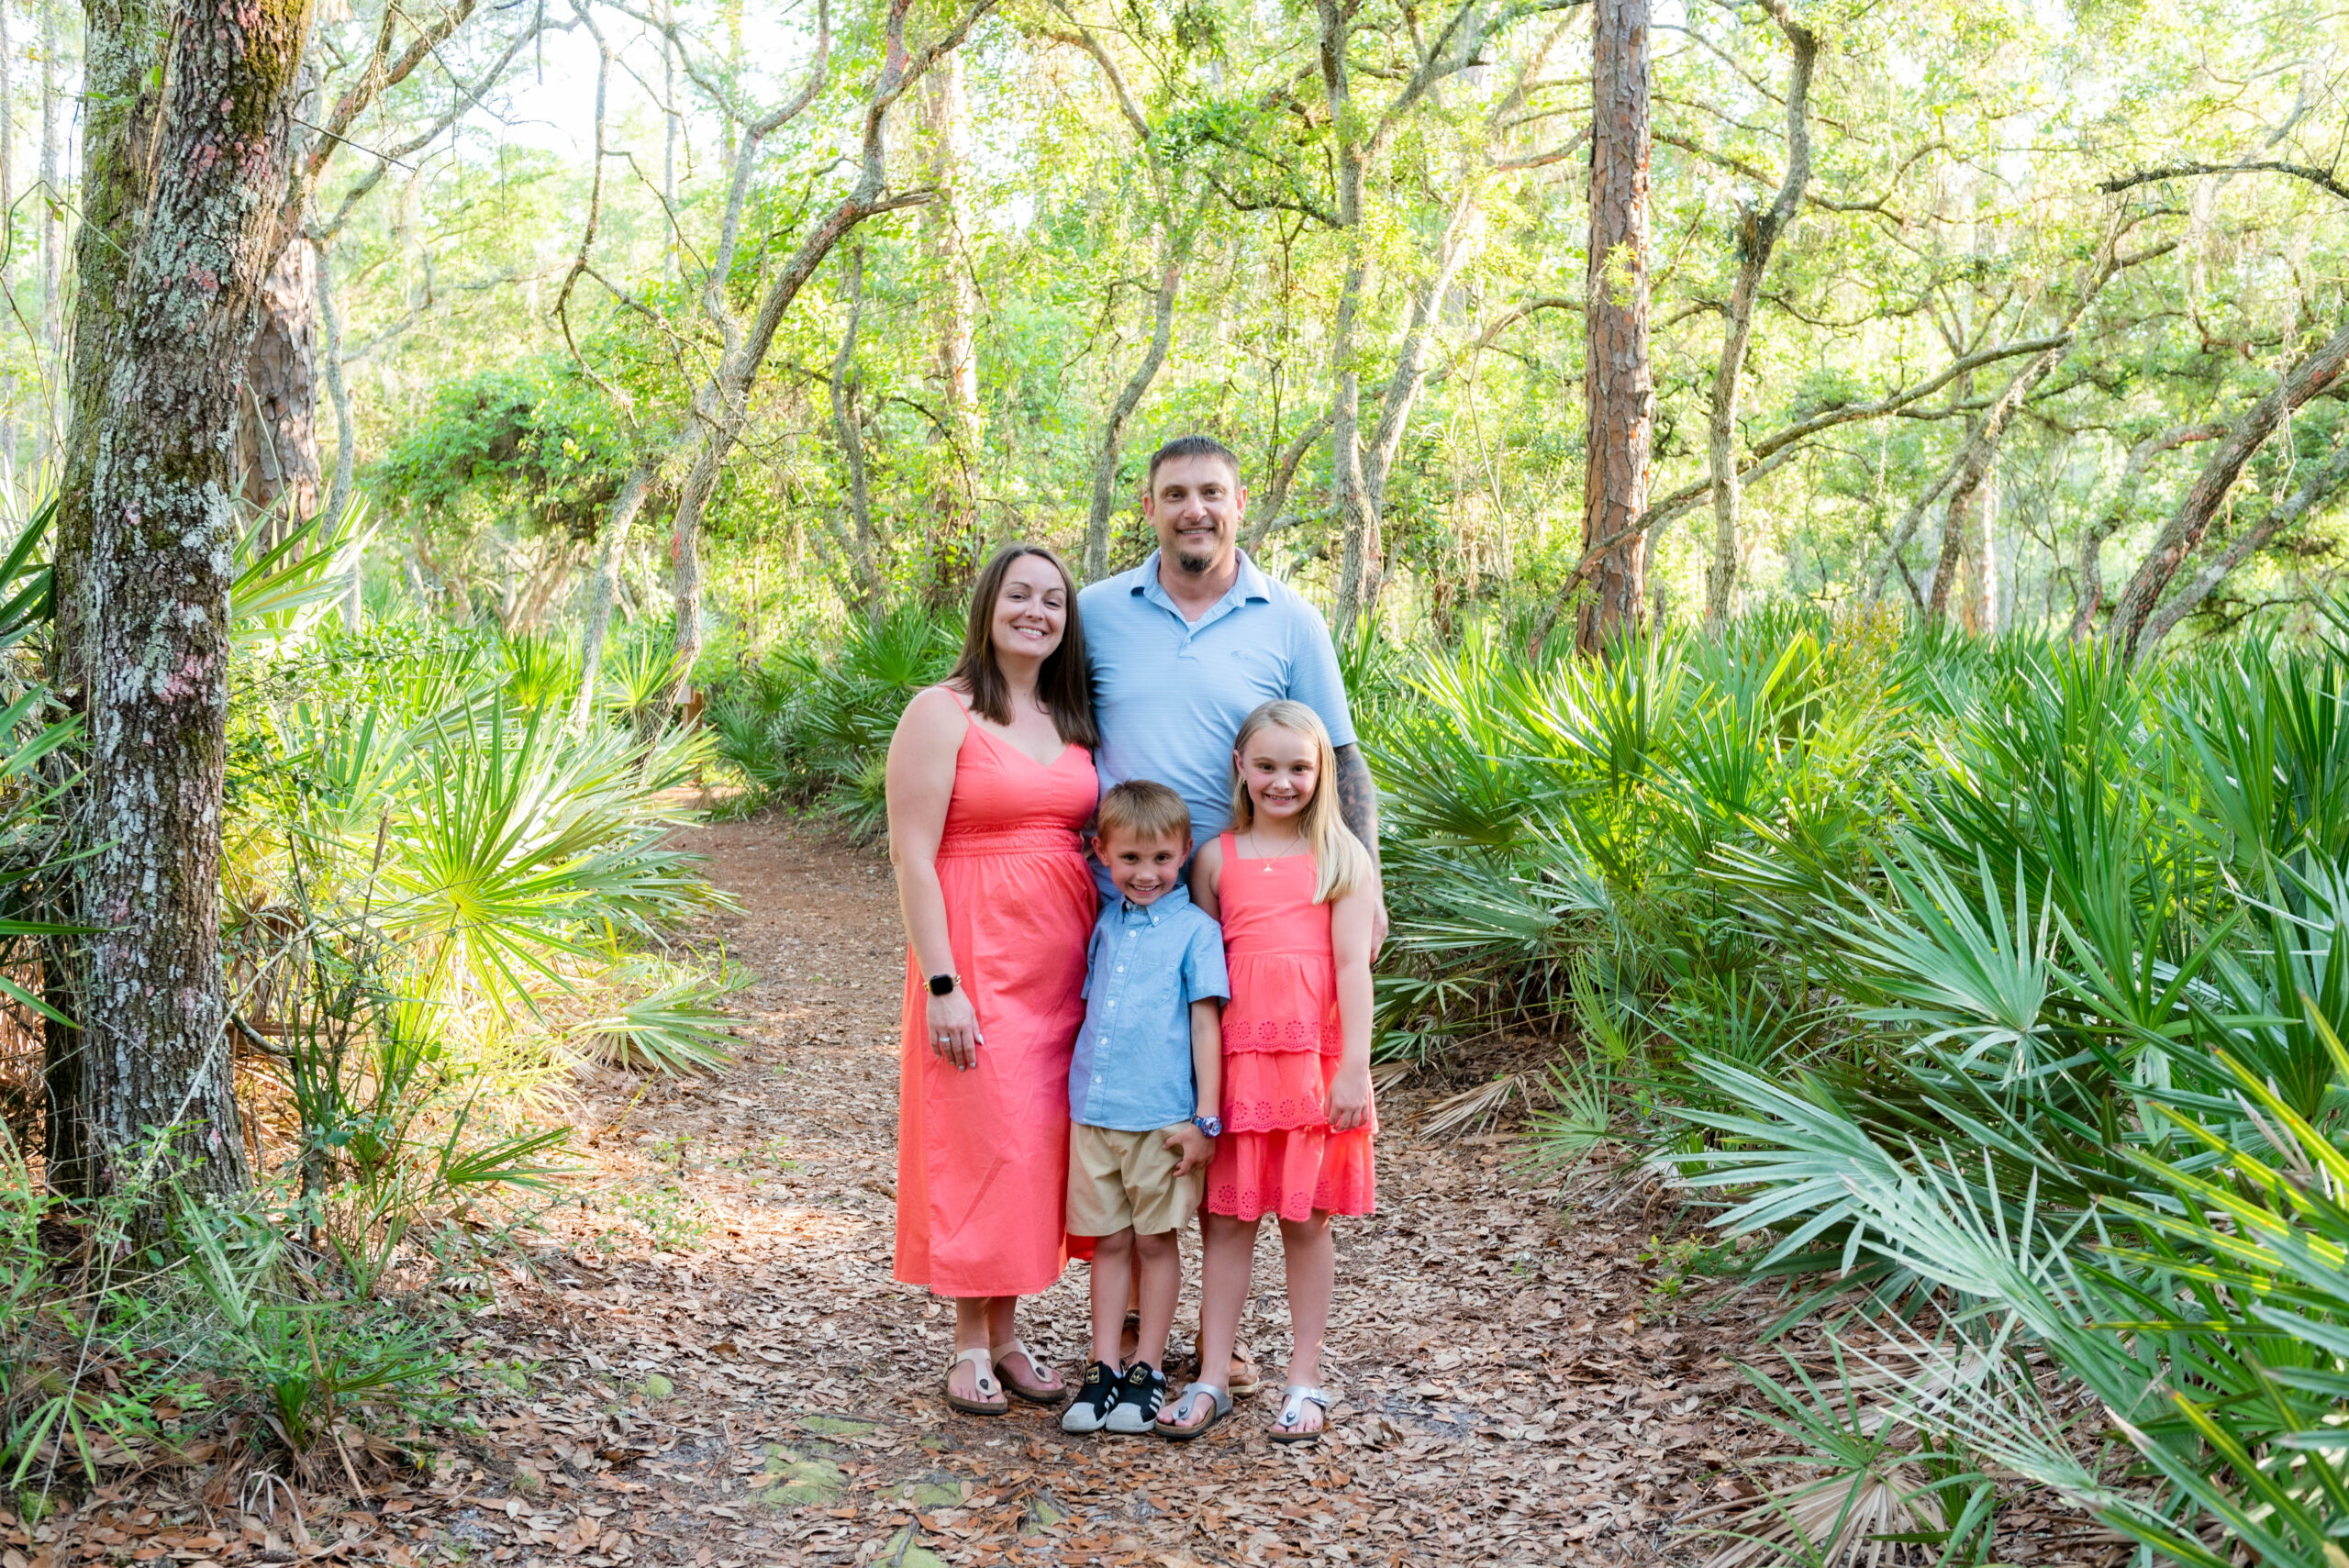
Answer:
x=1169 y=694
x=1146 y=965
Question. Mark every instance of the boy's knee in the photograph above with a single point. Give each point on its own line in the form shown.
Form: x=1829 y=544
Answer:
x=1156 y=1248
x=1114 y=1245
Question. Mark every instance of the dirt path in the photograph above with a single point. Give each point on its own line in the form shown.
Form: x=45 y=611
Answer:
x=714 y=1367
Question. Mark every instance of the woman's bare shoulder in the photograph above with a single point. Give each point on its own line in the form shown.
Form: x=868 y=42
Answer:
x=931 y=729
x=936 y=710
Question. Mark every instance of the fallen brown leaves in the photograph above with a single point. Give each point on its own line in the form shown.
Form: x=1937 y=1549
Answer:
x=710 y=1365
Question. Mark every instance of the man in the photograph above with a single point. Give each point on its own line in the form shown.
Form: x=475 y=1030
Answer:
x=1184 y=645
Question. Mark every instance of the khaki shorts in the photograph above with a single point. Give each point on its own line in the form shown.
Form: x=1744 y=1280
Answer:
x=1126 y=1179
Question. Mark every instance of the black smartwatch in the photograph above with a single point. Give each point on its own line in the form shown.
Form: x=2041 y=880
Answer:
x=942 y=985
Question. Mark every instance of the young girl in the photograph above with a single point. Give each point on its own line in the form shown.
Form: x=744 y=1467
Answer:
x=1294 y=890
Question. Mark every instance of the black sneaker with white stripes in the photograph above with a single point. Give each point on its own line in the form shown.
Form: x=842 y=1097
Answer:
x=1140 y=1397
x=1097 y=1400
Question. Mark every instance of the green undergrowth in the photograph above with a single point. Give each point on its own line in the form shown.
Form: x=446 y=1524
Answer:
x=1982 y=996
x=442 y=900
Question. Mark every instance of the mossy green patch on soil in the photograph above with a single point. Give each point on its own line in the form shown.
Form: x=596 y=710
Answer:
x=794 y=1480
x=836 y=1426
x=905 y=1550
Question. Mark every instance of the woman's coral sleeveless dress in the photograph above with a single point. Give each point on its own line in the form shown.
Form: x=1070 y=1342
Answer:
x=1282 y=1045
x=983 y=1153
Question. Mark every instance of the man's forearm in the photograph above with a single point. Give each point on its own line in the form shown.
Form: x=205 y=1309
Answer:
x=1358 y=798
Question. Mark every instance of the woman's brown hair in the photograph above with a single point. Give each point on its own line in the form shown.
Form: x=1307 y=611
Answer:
x=1063 y=687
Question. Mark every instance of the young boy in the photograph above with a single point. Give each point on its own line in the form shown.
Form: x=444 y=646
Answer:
x=1142 y=1090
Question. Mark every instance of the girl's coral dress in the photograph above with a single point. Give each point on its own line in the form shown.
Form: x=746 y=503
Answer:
x=983 y=1154
x=1281 y=1049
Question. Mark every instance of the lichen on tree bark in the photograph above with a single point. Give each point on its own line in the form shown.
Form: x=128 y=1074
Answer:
x=189 y=108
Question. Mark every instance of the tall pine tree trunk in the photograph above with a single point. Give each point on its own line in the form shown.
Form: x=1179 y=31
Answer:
x=1617 y=386
x=190 y=109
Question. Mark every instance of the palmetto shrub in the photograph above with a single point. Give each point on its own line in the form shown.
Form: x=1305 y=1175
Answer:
x=1992 y=988
x=517 y=870
x=811 y=725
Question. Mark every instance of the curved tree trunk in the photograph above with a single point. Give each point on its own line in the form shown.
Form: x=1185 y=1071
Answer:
x=1617 y=386
x=1360 y=554
x=1173 y=250
x=1963 y=476
x=2320 y=485
x=722 y=404
x=1464 y=235
x=1758 y=236
x=957 y=539
x=864 y=546
x=2089 y=590
x=178 y=210
x=602 y=588
x=2318 y=370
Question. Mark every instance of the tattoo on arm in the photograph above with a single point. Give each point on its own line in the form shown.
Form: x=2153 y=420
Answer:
x=1358 y=798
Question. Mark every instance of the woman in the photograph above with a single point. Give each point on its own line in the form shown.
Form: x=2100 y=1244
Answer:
x=990 y=779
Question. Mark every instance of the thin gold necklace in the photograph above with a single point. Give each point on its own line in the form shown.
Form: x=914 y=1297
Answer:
x=1268 y=860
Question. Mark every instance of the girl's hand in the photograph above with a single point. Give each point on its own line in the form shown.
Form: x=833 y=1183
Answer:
x=954 y=1026
x=1349 y=1106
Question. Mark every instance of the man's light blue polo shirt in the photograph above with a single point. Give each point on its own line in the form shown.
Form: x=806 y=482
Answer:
x=1146 y=965
x=1169 y=694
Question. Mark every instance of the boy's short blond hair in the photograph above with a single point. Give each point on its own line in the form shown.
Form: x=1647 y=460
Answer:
x=1145 y=811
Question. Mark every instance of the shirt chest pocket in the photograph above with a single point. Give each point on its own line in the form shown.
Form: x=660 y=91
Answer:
x=1263 y=668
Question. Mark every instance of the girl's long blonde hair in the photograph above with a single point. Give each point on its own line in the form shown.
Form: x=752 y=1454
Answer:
x=1341 y=863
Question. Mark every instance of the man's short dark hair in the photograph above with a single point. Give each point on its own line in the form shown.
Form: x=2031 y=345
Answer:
x=1190 y=446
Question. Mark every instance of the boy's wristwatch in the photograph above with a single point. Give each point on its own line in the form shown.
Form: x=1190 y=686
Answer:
x=1210 y=1125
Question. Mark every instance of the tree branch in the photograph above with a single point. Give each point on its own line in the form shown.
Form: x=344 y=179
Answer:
x=2325 y=180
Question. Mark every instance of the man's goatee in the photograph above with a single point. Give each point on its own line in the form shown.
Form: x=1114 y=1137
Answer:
x=1196 y=565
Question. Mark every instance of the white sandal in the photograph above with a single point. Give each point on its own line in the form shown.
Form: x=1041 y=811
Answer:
x=1034 y=1392
x=1293 y=1409
x=986 y=1384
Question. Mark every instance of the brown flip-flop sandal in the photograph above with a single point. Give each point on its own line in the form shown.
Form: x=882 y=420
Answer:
x=1034 y=1392
x=986 y=1384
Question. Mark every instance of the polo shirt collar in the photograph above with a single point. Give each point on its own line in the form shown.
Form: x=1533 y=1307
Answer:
x=1167 y=903
x=1251 y=586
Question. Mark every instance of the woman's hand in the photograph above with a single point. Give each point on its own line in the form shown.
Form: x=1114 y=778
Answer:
x=954 y=1026
x=1349 y=1106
